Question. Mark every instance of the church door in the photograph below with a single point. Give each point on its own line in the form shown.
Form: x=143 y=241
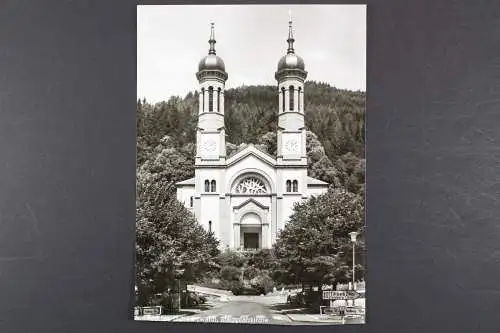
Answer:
x=250 y=240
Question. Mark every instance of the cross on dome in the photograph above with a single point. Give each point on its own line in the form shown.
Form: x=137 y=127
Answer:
x=212 y=39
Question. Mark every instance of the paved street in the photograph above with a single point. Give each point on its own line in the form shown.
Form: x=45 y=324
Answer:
x=270 y=309
x=251 y=310
x=238 y=312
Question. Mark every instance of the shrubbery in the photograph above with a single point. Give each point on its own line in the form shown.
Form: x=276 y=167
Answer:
x=240 y=273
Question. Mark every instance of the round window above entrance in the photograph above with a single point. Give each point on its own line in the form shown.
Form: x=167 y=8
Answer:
x=251 y=185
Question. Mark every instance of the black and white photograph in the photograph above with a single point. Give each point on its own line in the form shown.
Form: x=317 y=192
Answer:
x=250 y=176
x=178 y=165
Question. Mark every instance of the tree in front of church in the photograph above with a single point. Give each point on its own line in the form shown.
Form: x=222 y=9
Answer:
x=314 y=248
x=170 y=244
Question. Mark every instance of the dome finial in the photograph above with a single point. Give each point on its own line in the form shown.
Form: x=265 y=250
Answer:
x=290 y=39
x=212 y=40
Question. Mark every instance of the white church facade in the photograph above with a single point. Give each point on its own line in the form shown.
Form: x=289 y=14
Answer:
x=245 y=199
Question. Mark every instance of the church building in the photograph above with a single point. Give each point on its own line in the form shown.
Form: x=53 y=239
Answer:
x=246 y=198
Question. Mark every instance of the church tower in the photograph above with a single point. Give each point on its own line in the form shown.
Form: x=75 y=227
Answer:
x=291 y=159
x=291 y=136
x=210 y=138
x=210 y=142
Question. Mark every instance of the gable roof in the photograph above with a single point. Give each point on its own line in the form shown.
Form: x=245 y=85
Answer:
x=186 y=182
x=251 y=200
x=316 y=182
x=254 y=151
x=243 y=146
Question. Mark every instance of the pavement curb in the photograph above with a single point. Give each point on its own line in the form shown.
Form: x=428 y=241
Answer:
x=332 y=321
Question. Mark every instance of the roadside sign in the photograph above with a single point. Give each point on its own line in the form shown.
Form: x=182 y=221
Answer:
x=151 y=310
x=337 y=295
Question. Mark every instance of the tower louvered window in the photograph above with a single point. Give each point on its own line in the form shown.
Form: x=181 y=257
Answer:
x=283 y=99
x=291 y=92
x=210 y=99
x=298 y=99
x=202 y=99
x=218 y=100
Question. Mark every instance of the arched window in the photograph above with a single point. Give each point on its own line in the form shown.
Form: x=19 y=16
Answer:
x=283 y=99
x=295 y=186
x=298 y=99
x=202 y=99
x=251 y=185
x=207 y=186
x=218 y=100
x=210 y=99
x=291 y=91
x=209 y=226
x=288 y=186
x=212 y=186
x=191 y=202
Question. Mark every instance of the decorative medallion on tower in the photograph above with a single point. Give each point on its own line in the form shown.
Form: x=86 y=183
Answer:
x=210 y=146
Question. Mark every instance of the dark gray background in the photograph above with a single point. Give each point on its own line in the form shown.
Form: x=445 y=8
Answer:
x=67 y=168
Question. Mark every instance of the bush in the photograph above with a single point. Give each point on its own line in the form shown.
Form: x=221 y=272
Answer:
x=262 y=259
x=236 y=287
x=251 y=273
x=264 y=283
x=231 y=258
x=230 y=273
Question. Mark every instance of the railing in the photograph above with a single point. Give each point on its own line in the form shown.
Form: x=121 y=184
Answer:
x=249 y=250
x=360 y=285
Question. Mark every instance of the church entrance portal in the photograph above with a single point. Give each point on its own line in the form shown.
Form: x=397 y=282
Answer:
x=250 y=241
x=250 y=232
x=251 y=224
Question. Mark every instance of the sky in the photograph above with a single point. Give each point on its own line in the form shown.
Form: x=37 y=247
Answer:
x=171 y=40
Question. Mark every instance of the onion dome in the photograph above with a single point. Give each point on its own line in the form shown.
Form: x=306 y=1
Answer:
x=291 y=61
x=211 y=61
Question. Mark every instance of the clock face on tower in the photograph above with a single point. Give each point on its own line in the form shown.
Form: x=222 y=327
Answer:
x=291 y=146
x=209 y=146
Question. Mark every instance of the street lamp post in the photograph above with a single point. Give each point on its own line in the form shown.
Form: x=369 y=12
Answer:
x=178 y=274
x=180 y=294
x=353 y=235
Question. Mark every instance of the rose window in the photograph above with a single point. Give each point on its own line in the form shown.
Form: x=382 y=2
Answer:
x=251 y=185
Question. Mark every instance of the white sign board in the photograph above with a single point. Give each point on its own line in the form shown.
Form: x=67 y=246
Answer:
x=344 y=294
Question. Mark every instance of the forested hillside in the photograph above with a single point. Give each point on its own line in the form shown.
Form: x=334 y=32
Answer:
x=335 y=119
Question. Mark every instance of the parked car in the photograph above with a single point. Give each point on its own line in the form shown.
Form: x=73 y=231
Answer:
x=165 y=300
x=241 y=290
x=191 y=298
x=291 y=299
x=296 y=299
x=309 y=298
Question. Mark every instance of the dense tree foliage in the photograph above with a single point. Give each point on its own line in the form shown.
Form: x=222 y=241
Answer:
x=170 y=244
x=315 y=247
x=335 y=120
x=168 y=237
